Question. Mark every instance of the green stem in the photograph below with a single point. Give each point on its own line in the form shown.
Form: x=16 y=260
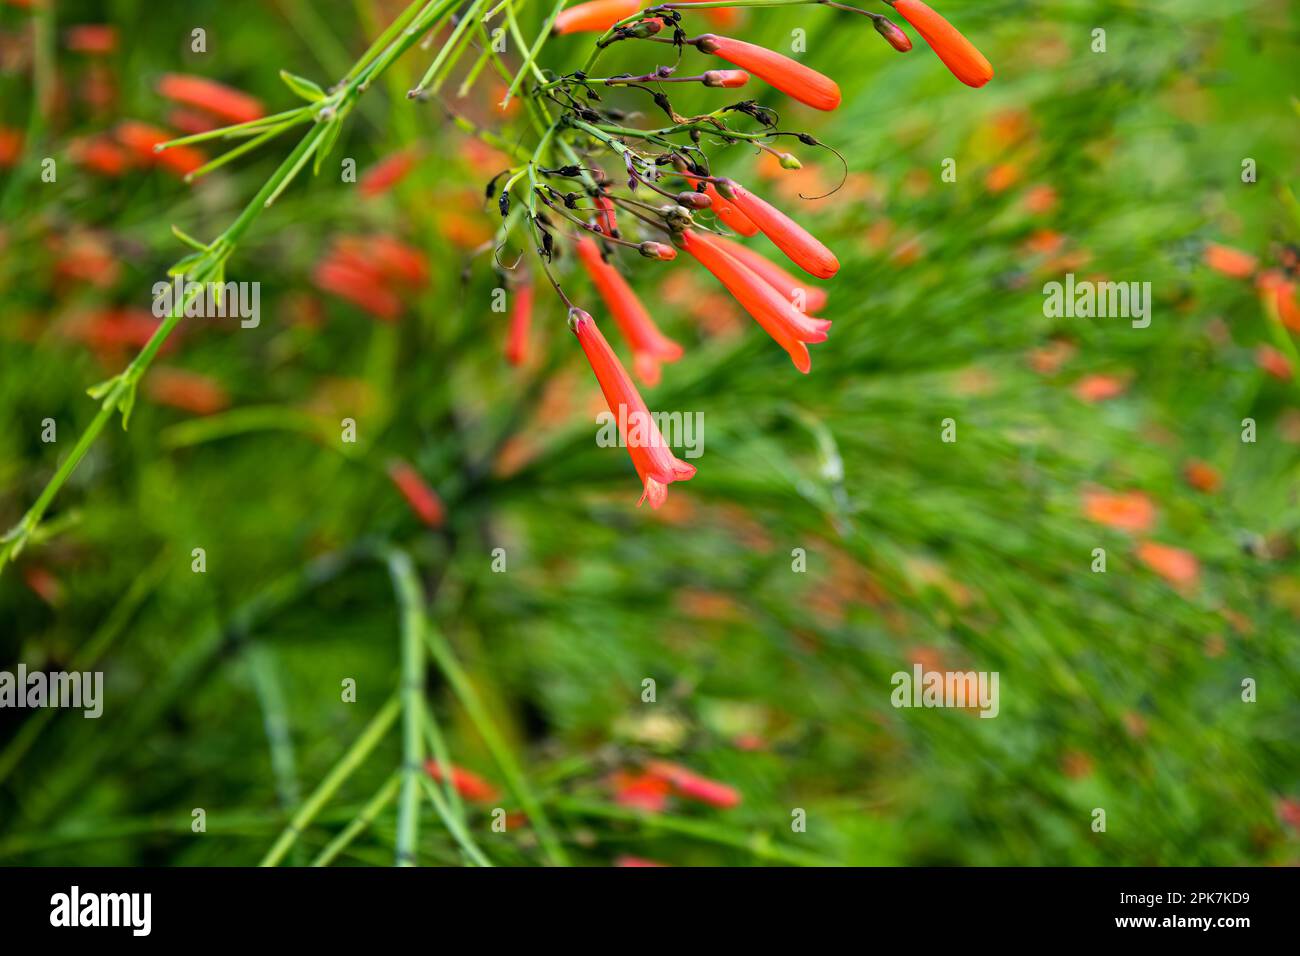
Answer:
x=338 y=775
x=382 y=798
x=410 y=599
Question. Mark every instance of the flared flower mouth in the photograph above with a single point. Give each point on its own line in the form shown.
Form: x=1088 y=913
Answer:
x=655 y=463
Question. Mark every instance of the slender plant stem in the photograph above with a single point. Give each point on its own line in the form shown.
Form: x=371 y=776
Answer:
x=410 y=599
x=375 y=806
x=352 y=758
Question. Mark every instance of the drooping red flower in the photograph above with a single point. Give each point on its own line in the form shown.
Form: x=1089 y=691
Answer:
x=358 y=283
x=649 y=345
x=606 y=217
x=627 y=861
x=893 y=36
x=467 y=783
x=11 y=146
x=387 y=173
x=814 y=297
x=424 y=501
x=521 y=320
x=769 y=308
x=141 y=138
x=1230 y=262
x=957 y=53
x=191 y=392
x=91 y=38
x=802 y=247
x=728 y=213
x=1180 y=568
x=216 y=98
x=789 y=76
x=101 y=155
x=641 y=791
x=1273 y=362
x=655 y=463
x=692 y=786
x=596 y=16
x=1126 y=510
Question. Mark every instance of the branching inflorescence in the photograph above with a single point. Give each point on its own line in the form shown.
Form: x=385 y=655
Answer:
x=591 y=183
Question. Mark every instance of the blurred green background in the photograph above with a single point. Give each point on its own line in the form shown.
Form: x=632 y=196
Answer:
x=1119 y=690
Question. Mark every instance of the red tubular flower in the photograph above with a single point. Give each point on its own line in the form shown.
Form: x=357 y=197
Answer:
x=596 y=16
x=789 y=76
x=787 y=325
x=521 y=319
x=189 y=391
x=91 y=38
x=141 y=138
x=958 y=54
x=728 y=213
x=1229 y=261
x=386 y=173
x=214 y=97
x=692 y=786
x=424 y=501
x=649 y=345
x=796 y=242
x=726 y=79
x=467 y=783
x=605 y=217
x=358 y=283
x=655 y=463
x=814 y=298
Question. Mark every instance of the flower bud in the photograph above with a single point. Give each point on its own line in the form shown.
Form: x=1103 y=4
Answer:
x=895 y=37
x=657 y=250
x=677 y=217
x=726 y=79
x=789 y=161
x=577 y=317
x=693 y=200
x=645 y=28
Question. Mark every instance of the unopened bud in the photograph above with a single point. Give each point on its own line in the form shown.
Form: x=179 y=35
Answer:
x=896 y=37
x=577 y=317
x=657 y=250
x=726 y=79
x=789 y=161
x=646 y=28
x=677 y=217
x=707 y=43
x=693 y=200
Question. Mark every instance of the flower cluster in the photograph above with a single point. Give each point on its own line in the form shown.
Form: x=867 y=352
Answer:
x=570 y=195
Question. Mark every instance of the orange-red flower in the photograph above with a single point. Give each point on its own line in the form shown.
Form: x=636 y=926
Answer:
x=728 y=213
x=1273 y=362
x=11 y=146
x=692 y=786
x=1180 y=568
x=641 y=791
x=189 y=391
x=216 y=98
x=1127 y=511
x=1202 y=476
x=596 y=16
x=91 y=38
x=1231 y=262
x=725 y=79
x=649 y=345
x=958 y=54
x=467 y=783
x=787 y=325
x=656 y=465
x=141 y=138
x=802 y=247
x=424 y=501
x=789 y=76
x=606 y=218
x=814 y=298
x=386 y=173
x=521 y=320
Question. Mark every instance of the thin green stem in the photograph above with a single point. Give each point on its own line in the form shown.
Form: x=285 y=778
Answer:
x=410 y=598
x=375 y=806
x=352 y=758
